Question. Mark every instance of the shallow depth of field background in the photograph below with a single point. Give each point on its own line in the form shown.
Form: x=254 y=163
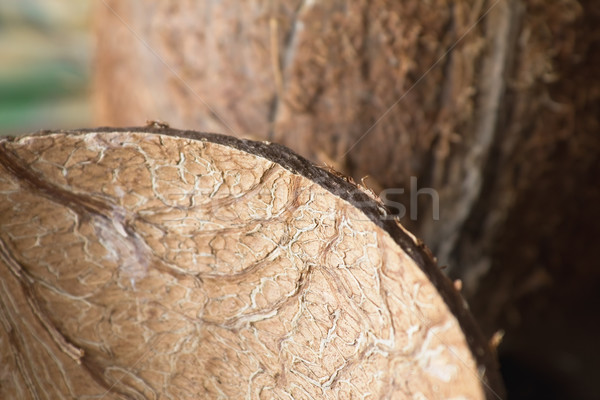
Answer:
x=45 y=59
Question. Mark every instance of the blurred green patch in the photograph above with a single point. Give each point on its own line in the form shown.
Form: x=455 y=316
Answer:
x=45 y=52
x=32 y=88
x=42 y=82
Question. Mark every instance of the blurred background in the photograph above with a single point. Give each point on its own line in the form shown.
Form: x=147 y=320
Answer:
x=505 y=127
x=45 y=65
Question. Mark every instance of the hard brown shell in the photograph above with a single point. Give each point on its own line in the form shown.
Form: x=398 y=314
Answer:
x=161 y=264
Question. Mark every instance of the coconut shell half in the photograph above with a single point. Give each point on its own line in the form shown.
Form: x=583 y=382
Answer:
x=151 y=263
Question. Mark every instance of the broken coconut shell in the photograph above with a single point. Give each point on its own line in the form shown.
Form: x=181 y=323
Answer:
x=147 y=263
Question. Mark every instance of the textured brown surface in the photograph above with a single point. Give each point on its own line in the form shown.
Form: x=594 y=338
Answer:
x=497 y=111
x=483 y=97
x=184 y=265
